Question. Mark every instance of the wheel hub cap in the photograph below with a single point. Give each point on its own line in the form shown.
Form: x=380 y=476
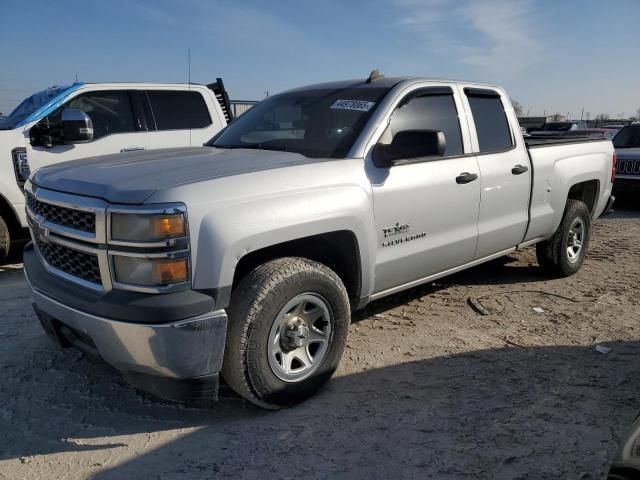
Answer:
x=296 y=334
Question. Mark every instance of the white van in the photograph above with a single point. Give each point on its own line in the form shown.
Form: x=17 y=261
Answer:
x=91 y=119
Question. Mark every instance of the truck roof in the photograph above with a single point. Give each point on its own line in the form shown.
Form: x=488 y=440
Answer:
x=383 y=82
x=154 y=84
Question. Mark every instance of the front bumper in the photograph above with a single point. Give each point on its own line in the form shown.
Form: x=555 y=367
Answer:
x=178 y=360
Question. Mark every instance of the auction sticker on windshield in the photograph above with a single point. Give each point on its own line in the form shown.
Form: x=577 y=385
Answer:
x=360 y=105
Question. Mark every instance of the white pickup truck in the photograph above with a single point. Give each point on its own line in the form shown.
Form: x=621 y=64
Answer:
x=245 y=257
x=121 y=117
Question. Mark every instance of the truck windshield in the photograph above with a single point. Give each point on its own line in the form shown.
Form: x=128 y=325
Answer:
x=628 y=137
x=320 y=123
x=30 y=105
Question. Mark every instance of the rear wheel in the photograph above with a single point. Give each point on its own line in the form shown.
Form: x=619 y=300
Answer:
x=5 y=240
x=288 y=323
x=564 y=253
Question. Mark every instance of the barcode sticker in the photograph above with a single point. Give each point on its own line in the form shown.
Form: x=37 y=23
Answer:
x=360 y=105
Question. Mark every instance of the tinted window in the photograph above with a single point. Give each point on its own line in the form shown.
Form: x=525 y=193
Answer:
x=110 y=112
x=491 y=123
x=430 y=112
x=178 y=110
x=30 y=105
x=318 y=123
x=628 y=137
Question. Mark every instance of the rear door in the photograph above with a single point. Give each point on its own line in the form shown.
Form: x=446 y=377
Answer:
x=179 y=118
x=426 y=216
x=505 y=172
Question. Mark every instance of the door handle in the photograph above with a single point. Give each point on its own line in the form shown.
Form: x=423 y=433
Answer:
x=519 y=169
x=131 y=149
x=466 y=177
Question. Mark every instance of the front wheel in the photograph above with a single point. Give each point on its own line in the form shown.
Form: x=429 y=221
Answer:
x=563 y=254
x=288 y=324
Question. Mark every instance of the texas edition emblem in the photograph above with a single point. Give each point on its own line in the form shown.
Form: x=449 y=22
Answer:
x=398 y=229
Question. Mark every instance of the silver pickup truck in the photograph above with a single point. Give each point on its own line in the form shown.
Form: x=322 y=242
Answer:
x=246 y=256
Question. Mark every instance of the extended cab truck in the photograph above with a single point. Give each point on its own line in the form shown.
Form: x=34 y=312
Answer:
x=115 y=117
x=245 y=257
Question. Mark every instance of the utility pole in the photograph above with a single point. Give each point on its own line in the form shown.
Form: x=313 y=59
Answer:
x=582 y=114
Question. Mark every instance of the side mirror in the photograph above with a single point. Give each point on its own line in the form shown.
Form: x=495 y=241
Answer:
x=409 y=144
x=77 y=126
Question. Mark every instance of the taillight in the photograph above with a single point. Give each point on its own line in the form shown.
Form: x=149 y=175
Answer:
x=614 y=165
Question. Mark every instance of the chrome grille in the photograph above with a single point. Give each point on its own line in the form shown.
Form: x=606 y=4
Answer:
x=70 y=236
x=628 y=166
x=73 y=262
x=66 y=217
x=20 y=165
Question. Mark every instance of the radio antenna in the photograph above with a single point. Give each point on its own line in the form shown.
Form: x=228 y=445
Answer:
x=189 y=82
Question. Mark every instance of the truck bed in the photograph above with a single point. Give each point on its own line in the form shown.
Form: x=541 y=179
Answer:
x=543 y=141
x=557 y=163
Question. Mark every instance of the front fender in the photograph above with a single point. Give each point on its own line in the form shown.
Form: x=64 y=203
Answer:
x=229 y=232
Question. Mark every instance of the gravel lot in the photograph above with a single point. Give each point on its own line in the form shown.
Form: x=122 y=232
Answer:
x=428 y=388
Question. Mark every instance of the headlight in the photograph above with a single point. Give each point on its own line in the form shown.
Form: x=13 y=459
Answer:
x=148 y=247
x=150 y=271
x=147 y=227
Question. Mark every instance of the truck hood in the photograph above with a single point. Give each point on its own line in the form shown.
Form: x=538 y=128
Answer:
x=132 y=177
x=628 y=153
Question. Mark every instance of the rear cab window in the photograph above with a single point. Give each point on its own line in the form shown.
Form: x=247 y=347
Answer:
x=492 y=125
x=178 y=110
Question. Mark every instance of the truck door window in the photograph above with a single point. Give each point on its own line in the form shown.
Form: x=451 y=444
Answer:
x=430 y=112
x=110 y=113
x=490 y=119
x=175 y=110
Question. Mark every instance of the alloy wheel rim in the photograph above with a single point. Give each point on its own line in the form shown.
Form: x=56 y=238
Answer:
x=575 y=240
x=300 y=337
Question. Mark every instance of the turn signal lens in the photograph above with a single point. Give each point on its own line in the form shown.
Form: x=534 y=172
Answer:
x=150 y=272
x=168 y=226
x=170 y=271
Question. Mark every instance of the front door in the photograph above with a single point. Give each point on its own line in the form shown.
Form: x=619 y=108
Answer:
x=115 y=129
x=427 y=209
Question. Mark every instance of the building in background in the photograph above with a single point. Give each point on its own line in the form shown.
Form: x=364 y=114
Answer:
x=238 y=107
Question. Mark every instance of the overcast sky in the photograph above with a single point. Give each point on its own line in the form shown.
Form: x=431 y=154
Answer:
x=558 y=56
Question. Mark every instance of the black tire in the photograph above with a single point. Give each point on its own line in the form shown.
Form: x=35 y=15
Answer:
x=553 y=254
x=5 y=240
x=253 y=310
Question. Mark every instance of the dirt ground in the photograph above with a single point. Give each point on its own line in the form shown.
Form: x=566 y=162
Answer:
x=428 y=388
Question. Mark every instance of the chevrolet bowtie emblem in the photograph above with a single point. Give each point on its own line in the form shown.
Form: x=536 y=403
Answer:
x=39 y=228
